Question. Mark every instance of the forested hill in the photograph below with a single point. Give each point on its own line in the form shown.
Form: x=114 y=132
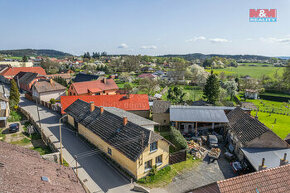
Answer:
x=204 y=56
x=35 y=52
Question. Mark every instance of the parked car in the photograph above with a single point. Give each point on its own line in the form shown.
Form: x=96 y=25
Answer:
x=237 y=167
x=212 y=141
x=13 y=128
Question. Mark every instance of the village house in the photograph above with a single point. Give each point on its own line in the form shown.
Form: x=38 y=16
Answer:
x=133 y=147
x=251 y=94
x=134 y=103
x=160 y=112
x=266 y=181
x=17 y=63
x=9 y=73
x=147 y=75
x=65 y=76
x=44 y=90
x=4 y=111
x=246 y=136
x=175 y=76
x=25 y=80
x=95 y=87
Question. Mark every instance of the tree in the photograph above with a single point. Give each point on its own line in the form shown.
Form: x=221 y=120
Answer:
x=24 y=58
x=14 y=97
x=177 y=139
x=175 y=95
x=61 y=81
x=128 y=88
x=149 y=86
x=231 y=88
x=199 y=75
x=211 y=89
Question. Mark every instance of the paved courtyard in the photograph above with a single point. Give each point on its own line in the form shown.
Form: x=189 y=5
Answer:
x=202 y=174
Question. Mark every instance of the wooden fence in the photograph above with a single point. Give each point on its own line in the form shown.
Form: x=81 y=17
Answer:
x=177 y=157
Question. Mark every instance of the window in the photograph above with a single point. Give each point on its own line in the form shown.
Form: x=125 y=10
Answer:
x=148 y=165
x=158 y=160
x=153 y=147
x=164 y=121
x=109 y=151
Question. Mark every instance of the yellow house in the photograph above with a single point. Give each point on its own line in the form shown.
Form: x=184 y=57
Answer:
x=135 y=148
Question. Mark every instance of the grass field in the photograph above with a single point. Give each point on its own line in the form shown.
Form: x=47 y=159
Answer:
x=253 y=71
x=282 y=125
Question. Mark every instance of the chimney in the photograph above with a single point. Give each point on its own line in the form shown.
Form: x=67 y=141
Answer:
x=102 y=110
x=92 y=106
x=105 y=80
x=262 y=166
x=125 y=121
x=284 y=161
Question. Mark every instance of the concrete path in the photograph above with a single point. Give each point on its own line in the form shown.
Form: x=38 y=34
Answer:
x=95 y=173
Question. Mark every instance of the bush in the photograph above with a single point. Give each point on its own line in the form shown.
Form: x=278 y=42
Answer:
x=52 y=101
x=177 y=139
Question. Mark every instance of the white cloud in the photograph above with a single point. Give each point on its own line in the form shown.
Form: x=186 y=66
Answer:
x=219 y=40
x=276 y=40
x=151 y=47
x=122 y=46
x=196 y=38
x=249 y=39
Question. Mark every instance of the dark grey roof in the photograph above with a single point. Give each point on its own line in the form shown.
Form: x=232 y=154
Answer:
x=109 y=126
x=197 y=114
x=245 y=127
x=27 y=77
x=82 y=77
x=160 y=106
x=138 y=120
x=272 y=156
x=200 y=103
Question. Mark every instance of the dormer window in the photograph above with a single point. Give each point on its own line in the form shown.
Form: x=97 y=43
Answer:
x=153 y=147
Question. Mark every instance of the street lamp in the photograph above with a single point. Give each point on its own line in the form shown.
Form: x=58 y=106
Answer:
x=60 y=140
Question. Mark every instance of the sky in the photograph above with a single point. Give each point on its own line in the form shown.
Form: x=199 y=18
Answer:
x=146 y=27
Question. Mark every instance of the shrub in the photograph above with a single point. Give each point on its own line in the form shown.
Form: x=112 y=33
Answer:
x=177 y=139
x=52 y=101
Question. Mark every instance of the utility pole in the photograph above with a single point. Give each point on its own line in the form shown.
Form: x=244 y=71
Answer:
x=77 y=167
x=60 y=140
x=39 y=119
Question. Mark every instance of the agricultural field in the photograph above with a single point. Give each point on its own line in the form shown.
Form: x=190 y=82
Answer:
x=254 y=71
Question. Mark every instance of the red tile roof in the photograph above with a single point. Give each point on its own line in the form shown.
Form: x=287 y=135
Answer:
x=270 y=180
x=83 y=87
x=12 y=71
x=136 y=102
x=265 y=181
x=146 y=75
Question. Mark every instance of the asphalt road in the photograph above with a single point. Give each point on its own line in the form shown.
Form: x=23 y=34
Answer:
x=106 y=177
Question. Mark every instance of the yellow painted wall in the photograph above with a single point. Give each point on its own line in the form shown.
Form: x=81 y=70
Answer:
x=137 y=168
x=163 y=149
x=125 y=162
x=70 y=120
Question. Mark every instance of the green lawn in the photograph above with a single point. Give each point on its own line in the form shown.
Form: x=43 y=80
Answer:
x=15 y=116
x=282 y=125
x=165 y=175
x=42 y=150
x=253 y=71
x=22 y=142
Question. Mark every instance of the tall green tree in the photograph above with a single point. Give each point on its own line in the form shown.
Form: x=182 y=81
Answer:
x=24 y=58
x=14 y=97
x=211 y=89
x=176 y=95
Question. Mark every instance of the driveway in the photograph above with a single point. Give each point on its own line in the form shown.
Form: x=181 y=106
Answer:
x=203 y=174
x=106 y=177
